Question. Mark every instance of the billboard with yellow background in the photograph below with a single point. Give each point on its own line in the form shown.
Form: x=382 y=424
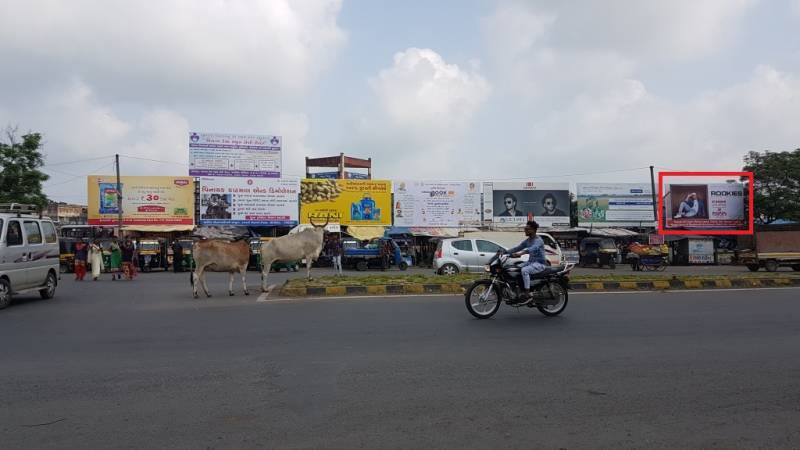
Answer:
x=145 y=200
x=347 y=202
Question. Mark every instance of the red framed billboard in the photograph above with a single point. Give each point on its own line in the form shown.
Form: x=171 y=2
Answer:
x=661 y=220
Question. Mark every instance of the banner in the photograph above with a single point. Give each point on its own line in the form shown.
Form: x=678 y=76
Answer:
x=508 y=204
x=249 y=201
x=347 y=202
x=701 y=251
x=335 y=175
x=704 y=206
x=145 y=200
x=615 y=205
x=234 y=155
x=436 y=204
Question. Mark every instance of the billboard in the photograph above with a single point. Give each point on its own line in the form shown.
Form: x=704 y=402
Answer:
x=704 y=206
x=145 y=200
x=249 y=201
x=615 y=204
x=508 y=204
x=701 y=251
x=234 y=155
x=346 y=202
x=335 y=175
x=436 y=204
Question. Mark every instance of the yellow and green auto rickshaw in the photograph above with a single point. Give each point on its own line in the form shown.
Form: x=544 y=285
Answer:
x=66 y=254
x=152 y=254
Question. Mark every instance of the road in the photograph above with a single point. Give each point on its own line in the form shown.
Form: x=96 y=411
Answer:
x=140 y=364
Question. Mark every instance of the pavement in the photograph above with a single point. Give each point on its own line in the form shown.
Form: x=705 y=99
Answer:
x=142 y=365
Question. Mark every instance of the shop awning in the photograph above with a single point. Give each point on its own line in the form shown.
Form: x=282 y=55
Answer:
x=158 y=228
x=365 y=232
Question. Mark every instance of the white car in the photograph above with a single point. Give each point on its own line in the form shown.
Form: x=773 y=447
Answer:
x=470 y=254
x=28 y=254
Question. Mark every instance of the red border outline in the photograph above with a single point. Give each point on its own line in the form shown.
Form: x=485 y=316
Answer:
x=660 y=211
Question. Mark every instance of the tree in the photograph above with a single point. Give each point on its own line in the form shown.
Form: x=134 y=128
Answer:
x=776 y=186
x=20 y=177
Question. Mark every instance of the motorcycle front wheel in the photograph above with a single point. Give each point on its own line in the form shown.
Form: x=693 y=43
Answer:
x=482 y=299
x=559 y=302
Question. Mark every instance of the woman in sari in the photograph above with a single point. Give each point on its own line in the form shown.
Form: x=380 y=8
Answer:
x=96 y=259
x=127 y=259
x=116 y=261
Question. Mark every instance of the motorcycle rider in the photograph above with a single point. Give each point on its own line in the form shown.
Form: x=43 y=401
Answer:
x=533 y=245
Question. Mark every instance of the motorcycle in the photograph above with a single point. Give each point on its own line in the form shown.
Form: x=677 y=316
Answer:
x=549 y=289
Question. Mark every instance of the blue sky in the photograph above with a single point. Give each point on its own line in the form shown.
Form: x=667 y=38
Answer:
x=483 y=90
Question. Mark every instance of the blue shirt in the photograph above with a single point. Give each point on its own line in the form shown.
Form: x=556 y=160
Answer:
x=535 y=248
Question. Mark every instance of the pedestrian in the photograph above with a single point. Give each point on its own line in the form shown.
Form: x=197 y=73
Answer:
x=177 y=256
x=115 y=261
x=81 y=256
x=96 y=259
x=385 y=251
x=334 y=250
x=127 y=259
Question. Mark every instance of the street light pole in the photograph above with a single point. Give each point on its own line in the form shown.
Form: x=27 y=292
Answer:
x=119 y=200
x=653 y=192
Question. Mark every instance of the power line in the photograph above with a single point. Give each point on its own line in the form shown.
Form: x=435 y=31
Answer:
x=76 y=161
x=154 y=160
x=78 y=176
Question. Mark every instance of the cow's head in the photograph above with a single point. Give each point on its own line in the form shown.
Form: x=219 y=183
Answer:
x=319 y=230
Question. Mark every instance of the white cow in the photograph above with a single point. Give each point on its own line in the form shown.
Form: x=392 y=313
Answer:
x=217 y=255
x=293 y=247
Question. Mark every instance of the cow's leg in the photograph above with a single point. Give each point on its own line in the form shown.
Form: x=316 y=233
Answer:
x=243 y=271
x=201 y=276
x=194 y=283
x=308 y=266
x=265 y=266
x=230 y=283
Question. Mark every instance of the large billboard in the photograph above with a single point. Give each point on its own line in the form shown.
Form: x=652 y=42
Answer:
x=436 y=204
x=249 y=201
x=145 y=200
x=508 y=203
x=346 y=202
x=234 y=155
x=615 y=204
x=704 y=206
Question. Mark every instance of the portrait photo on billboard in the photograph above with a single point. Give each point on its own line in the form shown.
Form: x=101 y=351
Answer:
x=215 y=206
x=689 y=201
x=519 y=203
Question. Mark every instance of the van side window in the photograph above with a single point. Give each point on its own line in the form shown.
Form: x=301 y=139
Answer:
x=462 y=245
x=14 y=234
x=33 y=232
x=50 y=235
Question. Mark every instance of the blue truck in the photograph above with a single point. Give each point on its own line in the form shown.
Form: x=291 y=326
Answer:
x=363 y=257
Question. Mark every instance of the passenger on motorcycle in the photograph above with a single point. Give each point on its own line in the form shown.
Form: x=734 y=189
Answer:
x=537 y=262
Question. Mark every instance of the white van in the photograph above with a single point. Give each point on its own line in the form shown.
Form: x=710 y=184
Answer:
x=28 y=253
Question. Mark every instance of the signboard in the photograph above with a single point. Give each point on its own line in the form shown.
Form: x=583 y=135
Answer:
x=508 y=204
x=436 y=204
x=346 y=202
x=701 y=251
x=335 y=175
x=615 y=204
x=234 y=155
x=704 y=206
x=655 y=239
x=249 y=201
x=145 y=200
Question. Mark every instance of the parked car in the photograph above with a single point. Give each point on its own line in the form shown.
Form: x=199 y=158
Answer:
x=29 y=253
x=456 y=255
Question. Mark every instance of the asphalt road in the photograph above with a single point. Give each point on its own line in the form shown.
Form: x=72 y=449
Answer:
x=142 y=365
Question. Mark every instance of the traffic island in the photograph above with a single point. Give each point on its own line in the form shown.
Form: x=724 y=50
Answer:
x=458 y=284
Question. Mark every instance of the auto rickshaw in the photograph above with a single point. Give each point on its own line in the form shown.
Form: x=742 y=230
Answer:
x=152 y=254
x=188 y=260
x=66 y=254
x=597 y=251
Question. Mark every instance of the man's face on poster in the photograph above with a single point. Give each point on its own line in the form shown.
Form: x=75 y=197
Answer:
x=549 y=204
x=510 y=204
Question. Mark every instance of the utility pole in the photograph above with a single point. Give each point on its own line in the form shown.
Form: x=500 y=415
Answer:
x=119 y=199
x=653 y=192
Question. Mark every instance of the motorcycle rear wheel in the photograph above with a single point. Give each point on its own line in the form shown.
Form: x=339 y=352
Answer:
x=482 y=299
x=555 y=309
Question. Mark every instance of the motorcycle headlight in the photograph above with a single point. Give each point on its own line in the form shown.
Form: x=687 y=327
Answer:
x=487 y=268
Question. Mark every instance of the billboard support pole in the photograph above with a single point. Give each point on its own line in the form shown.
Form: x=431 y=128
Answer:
x=653 y=192
x=119 y=199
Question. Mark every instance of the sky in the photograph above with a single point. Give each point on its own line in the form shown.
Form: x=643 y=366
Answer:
x=548 y=90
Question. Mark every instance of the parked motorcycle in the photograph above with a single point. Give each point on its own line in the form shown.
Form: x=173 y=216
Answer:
x=549 y=289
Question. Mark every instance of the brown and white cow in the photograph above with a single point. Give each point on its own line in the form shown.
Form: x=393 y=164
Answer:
x=292 y=247
x=218 y=255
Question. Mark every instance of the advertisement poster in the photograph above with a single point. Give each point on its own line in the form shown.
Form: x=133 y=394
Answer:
x=436 y=204
x=615 y=204
x=701 y=251
x=145 y=200
x=346 y=202
x=705 y=206
x=508 y=204
x=249 y=201
x=234 y=155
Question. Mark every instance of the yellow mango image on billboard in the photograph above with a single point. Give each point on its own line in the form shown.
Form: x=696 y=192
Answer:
x=346 y=202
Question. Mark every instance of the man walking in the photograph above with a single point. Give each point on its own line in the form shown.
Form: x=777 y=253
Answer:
x=334 y=250
x=177 y=256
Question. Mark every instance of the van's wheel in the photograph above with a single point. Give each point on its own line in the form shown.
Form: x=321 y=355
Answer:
x=753 y=267
x=50 y=287
x=5 y=293
x=771 y=265
x=362 y=266
x=449 y=269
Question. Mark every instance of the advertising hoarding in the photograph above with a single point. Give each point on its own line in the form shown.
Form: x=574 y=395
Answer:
x=436 y=204
x=615 y=204
x=234 y=155
x=158 y=200
x=701 y=251
x=704 y=206
x=249 y=201
x=346 y=202
x=508 y=203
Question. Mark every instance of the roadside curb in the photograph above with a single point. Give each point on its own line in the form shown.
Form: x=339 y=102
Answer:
x=578 y=286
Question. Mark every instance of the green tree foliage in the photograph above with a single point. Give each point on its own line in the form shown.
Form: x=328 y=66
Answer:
x=20 y=177
x=776 y=187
